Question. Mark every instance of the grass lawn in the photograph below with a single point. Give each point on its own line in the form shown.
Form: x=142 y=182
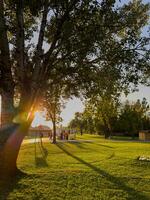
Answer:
x=96 y=169
x=124 y=138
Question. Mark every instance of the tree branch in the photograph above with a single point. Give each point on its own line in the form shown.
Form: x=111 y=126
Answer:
x=7 y=83
x=39 y=52
x=42 y=29
x=20 y=38
x=4 y=45
x=60 y=24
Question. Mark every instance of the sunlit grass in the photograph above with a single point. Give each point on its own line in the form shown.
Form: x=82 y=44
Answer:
x=93 y=168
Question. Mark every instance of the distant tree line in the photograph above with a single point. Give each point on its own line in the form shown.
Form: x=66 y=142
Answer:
x=109 y=117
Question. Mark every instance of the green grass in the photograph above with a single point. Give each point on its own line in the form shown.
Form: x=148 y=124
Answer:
x=96 y=169
x=124 y=138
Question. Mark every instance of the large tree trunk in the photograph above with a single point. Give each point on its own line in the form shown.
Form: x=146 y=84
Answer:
x=54 y=132
x=7 y=109
x=10 y=149
x=12 y=135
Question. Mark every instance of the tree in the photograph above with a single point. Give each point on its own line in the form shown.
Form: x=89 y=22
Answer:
x=89 y=122
x=133 y=117
x=78 y=122
x=74 y=38
x=103 y=110
x=54 y=102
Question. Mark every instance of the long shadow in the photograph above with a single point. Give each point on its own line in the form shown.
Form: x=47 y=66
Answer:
x=40 y=161
x=80 y=145
x=133 y=194
x=43 y=150
x=107 y=146
x=9 y=184
x=13 y=183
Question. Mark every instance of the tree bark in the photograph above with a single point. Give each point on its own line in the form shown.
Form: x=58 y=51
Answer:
x=11 y=137
x=54 y=132
x=6 y=82
x=7 y=109
x=10 y=150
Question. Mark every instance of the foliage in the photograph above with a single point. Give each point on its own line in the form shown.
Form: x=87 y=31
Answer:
x=104 y=111
x=133 y=117
x=54 y=103
x=98 y=116
x=78 y=122
x=107 y=115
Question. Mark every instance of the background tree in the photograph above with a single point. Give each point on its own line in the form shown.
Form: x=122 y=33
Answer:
x=108 y=116
x=90 y=125
x=78 y=122
x=54 y=103
x=133 y=118
x=104 y=111
x=68 y=39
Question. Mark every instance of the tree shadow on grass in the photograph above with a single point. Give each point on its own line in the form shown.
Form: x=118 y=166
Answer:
x=40 y=161
x=107 y=146
x=132 y=193
x=80 y=145
x=14 y=183
x=9 y=184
